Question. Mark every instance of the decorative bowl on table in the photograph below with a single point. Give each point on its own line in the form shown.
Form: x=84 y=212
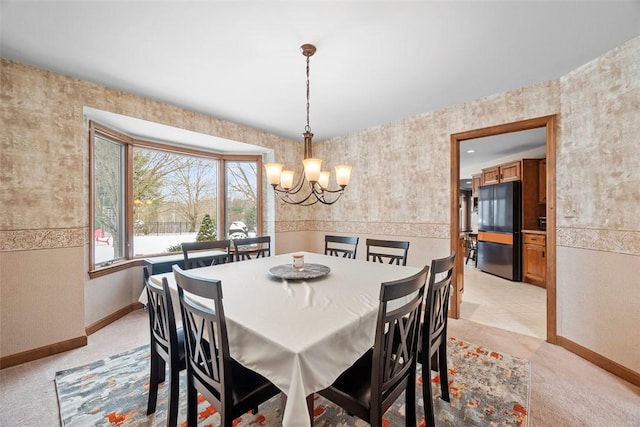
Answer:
x=308 y=271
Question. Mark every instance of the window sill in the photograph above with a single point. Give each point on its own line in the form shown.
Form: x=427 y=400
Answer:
x=115 y=267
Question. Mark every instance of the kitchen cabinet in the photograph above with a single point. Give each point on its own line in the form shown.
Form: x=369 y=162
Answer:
x=476 y=183
x=534 y=268
x=528 y=172
x=502 y=173
x=542 y=180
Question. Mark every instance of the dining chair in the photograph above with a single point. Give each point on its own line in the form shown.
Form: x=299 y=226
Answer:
x=228 y=386
x=167 y=347
x=471 y=241
x=374 y=382
x=433 y=343
x=190 y=249
x=387 y=251
x=343 y=246
x=252 y=247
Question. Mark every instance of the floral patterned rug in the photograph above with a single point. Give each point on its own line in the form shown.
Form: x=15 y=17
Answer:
x=487 y=388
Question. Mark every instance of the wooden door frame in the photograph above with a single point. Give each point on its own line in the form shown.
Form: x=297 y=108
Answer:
x=548 y=122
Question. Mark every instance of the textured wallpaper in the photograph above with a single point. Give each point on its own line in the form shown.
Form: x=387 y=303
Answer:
x=598 y=160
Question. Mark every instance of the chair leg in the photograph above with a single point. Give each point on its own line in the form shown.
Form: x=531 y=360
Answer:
x=410 y=400
x=192 y=403
x=174 y=391
x=444 y=372
x=156 y=376
x=435 y=362
x=427 y=394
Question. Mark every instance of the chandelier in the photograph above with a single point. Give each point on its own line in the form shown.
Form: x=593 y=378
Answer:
x=312 y=186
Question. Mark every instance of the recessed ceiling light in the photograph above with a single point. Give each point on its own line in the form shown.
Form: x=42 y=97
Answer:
x=471 y=151
x=468 y=182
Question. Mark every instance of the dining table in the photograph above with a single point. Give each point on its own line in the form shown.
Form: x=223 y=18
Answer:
x=301 y=333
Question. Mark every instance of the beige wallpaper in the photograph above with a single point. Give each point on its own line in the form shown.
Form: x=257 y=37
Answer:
x=598 y=173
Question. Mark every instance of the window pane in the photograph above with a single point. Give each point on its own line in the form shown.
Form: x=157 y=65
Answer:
x=172 y=193
x=241 y=199
x=109 y=232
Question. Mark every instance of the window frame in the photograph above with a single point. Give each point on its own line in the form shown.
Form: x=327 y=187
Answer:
x=129 y=143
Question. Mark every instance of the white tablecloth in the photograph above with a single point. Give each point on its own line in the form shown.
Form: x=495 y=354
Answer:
x=301 y=335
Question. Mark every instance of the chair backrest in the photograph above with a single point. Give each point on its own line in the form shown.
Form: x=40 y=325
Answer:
x=343 y=246
x=252 y=247
x=437 y=306
x=470 y=240
x=162 y=322
x=387 y=251
x=206 y=340
x=397 y=333
x=189 y=249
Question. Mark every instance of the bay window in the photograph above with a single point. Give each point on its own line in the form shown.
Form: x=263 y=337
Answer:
x=147 y=198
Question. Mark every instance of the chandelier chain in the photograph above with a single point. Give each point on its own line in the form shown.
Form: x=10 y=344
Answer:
x=307 y=128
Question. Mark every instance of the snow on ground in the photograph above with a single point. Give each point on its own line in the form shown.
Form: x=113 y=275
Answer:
x=145 y=245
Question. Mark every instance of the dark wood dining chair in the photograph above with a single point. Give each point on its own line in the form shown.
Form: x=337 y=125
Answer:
x=387 y=251
x=343 y=246
x=231 y=388
x=433 y=344
x=167 y=347
x=375 y=381
x=191 y=249
x=252 y=247
x=471 y=242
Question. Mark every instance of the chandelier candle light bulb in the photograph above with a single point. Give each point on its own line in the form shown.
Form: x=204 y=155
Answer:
x=312 y=169
x=343 y=173
x=316 y=180
x=273 y=172
x=286 y=179
x=323 y=181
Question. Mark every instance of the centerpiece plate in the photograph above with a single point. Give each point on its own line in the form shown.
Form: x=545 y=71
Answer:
x=308 y=271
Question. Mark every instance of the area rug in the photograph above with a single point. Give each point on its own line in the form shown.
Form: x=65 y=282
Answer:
x=487 y=388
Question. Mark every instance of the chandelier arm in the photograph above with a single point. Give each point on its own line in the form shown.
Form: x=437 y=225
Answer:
x=314 y=196
x=307 y=201
x=295 y=189
x=320 y=195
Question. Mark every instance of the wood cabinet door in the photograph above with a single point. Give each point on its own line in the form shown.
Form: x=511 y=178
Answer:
x=542 y=181
x=491 y=175
x=477 y=182
x=534 y=264
x=510 y=172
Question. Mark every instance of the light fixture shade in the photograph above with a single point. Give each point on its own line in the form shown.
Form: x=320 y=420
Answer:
x=312 y=169
x=324 y=179
x=343 y=174
x=286 y=179
x=273 y=172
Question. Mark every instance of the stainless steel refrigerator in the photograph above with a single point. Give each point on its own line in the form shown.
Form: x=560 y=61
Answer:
x=499 y=230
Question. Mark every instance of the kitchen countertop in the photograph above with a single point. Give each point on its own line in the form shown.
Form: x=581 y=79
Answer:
x=543 y=232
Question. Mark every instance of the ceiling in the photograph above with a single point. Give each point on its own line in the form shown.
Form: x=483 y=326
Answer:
x=479 y=153
x=376 y=61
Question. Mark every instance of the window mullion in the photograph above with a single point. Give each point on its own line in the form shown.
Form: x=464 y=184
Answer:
x=222 y=209
x=128 y=196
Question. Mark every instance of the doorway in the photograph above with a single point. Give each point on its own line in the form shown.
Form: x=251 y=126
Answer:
x=549 y=124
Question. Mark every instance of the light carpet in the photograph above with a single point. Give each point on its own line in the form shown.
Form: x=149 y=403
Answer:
x=487 y=388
